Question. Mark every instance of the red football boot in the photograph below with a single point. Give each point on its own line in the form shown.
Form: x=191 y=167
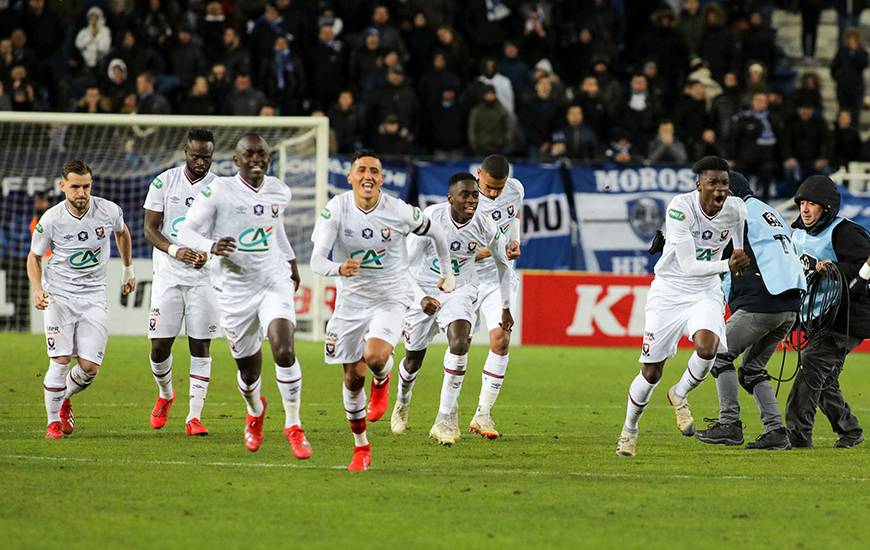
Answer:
x=54 y=431
x=160 y=412
x=67 y=418
x=298 y=442
x=254 y=429
x=195 y=427
x=362 y=458
x=379 y=400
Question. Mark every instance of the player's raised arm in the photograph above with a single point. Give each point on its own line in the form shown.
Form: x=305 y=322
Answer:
x=679 y=234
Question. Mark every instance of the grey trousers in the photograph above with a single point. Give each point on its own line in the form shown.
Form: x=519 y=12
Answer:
x=756 y=336
x=818 y=384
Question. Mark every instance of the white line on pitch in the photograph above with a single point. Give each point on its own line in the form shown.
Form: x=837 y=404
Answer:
x=403 y=469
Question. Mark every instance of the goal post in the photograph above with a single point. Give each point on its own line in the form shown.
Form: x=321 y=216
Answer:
x=126 y=152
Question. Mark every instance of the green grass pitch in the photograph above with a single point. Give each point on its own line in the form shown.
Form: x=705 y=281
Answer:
x=552 y=480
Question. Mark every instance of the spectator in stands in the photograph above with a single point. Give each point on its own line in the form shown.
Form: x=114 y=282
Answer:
x=847 y=141
x=390 y=37
x=261 y=39
x=726 y=106
x=398 y=98
x=198 y=100
x=391 y=138
x=847 y=68
x=21 y=90
x=421 y=42
x=117 y=87
x=664 y=44
x=641 y=114
x=489 y=126
x=186 y=59
x=346 y=122
x=45 y=31
x=93 y=102
x=154 y=26
x=690 y=115
x=811 y=14
x=538 y=118
x=219 y=85
x=710 y=146
x=621 y=149
x=754 y=142
x=435 y=81
x=120 y=19
x=574 y=139
x=5 y=101
x=445 y=125
x=244 y=99
x=691 y=25
x=718 y=44
x=490 y=77
x=94 y=40
x=758 y=41
x=327 y=66
x=657 y=86
x=138 y=57
x=848 y=16
x=809 y=92
x=806 y=145
x=575 y=60
x=610 y=90
x=456 y=50
x=236 y=57
x=150 y=101
x=538 y=38
x=665 y=147
x=22 y=54
x=283 y=79
x=700 y=73
x=365 y=60
x=595 y=113
x=212 y=29
x=484 y=23
x=7 y=58
x=515 y=68
x=269 y=110
x=756 y=81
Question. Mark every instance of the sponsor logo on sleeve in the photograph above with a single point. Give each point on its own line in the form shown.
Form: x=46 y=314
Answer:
x=326 y=214
x=39 y=228
x=676 y=214
x=417 y=213
x=206 y=191
x=157 y=183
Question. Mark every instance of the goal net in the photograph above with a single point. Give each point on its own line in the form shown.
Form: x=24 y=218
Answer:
x=126 y=152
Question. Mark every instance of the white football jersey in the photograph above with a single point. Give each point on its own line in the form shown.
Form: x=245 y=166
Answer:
x=685 y=220
x=79 y=246
x=377 y=238
x=464 y=242
x=230 y=207
x=502 y=210
x=172 y=193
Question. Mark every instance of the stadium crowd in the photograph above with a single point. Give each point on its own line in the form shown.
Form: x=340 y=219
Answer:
x=586 y=80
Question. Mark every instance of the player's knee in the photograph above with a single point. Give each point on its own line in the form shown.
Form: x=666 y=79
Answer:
x=198 y=348
x=412 y=365
x=354 y=380
x=160 y=350
x=376 y=359
x=64 y=360
x=652 y=372
x=459 y=347
x=500 y=343
x=285 y=356
x=90 y=368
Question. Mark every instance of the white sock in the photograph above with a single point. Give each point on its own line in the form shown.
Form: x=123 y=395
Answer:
x=406 y=384
x=639 y=394
x=290 y=387
x=251 y=395
x=200 y=374
x=454 y=373
x=163 y=376
x=493 y=377
x=355 y=409
x=695 y=373
x=77 y=380
x=381 y=374
x=54 y=388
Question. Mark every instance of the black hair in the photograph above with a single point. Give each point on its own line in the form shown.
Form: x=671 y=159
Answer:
x=200 y=134
x=364 y=153
x=458 y=177
x=496 y=166
x=710 y=163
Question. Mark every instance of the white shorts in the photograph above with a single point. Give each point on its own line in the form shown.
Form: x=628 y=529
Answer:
x=489 y=304
x=671 y=313
x=419 y=328
x=170 y=303
x=346 y=337
x=246 y=317
x=76 y=326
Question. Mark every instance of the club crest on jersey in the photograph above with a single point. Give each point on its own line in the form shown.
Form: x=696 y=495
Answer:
x=101 y=232
x=496 y=215
x=472 y=246
x=188 y=201
x=386 y=234
x=85 y=259
x=83 y=236
x=152 y=323
x=645 y=216
x=255 y=239
x=724 y=234
x=510 y=210
x=455 y=246
x=50 y=342
x=258 y=209
x=370 y=258
x=276 y=209
x=707 y=235
x=367 y=233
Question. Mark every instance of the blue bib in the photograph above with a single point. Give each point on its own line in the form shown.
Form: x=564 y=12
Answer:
x=813 y=249
x=776 y=255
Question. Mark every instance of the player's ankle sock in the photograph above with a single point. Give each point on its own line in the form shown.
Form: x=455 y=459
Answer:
x=355 y=409
x=695 y=373
x=493 y=377
x=454 y=372
x=639 y=394
x=406 y=384
x=251 y=395
x=162 y=372
x=290 y=387
x=54 y=388
x=381 y=374
x=200 y=374
x=77 y=380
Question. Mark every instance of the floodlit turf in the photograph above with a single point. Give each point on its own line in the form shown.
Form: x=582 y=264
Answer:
x=552 y=480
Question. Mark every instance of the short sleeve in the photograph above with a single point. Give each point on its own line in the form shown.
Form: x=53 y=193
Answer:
x=154 y=200
x=40 y=242
x=521 y=192
x=678 y=222
x=117 y=218
x=411 y=217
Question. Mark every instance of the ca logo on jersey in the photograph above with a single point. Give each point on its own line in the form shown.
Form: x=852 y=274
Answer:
x=456 y=264
x=173 y=229
x=255 y=239
x=85 y=259
x=706 y=254
x=370 y=258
